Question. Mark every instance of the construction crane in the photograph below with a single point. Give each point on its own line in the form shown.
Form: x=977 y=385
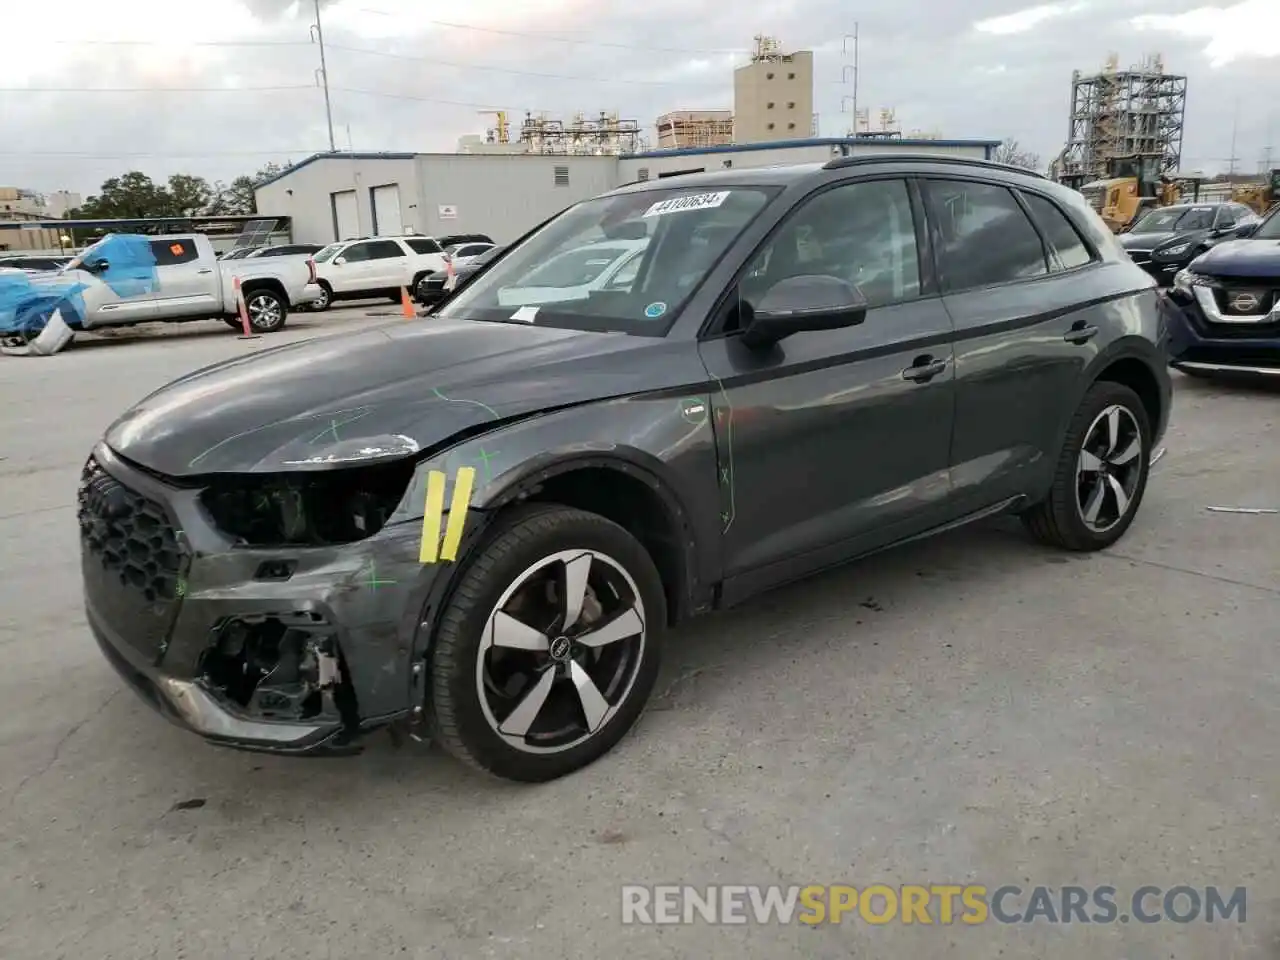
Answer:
x=501 y=132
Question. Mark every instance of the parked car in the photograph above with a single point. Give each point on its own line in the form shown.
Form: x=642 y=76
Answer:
x=286 y=250
x=33 y=264
x=375 y=267
x=1229 y=299
x=126 y=279
x=431 y=289
x=484 y=524
x=238 y=253
x=461 y=253
x=453 y=239
x=1167 y=239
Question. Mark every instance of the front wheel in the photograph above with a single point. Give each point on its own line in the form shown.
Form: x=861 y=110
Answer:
x=324 y=301
x=267 y=310
x=549 y=647
x=1101 y=474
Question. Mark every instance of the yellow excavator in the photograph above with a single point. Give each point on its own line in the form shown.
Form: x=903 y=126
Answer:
x=1133 y=186
x=1259 y=197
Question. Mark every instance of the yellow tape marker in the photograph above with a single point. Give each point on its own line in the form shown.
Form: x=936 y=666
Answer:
x=458 y=507
x=431 y=517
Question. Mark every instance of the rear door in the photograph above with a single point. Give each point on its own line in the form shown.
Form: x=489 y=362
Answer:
x=388 y=264
x=1010 y=284
x=834 y=442
x=188 y=286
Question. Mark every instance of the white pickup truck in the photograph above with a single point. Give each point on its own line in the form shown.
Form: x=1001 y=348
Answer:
x=125 y=279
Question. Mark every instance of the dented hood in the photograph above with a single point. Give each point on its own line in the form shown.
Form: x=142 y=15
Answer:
x=389 y=391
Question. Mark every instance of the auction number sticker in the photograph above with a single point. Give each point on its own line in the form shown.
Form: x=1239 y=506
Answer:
x=696 y=201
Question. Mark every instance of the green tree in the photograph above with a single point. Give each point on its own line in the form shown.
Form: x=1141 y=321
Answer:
x=188 y=195
x=237 y=197
x=132 y=195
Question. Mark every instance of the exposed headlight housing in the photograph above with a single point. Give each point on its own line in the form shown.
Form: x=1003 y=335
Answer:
x=1184 y=280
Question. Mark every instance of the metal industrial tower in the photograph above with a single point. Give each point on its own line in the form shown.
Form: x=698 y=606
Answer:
x=1124 y=122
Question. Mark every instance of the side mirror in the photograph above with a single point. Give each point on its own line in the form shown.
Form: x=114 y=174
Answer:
x=1246 y=230
x=804 y=303
x=98 y=266
x=339 y=261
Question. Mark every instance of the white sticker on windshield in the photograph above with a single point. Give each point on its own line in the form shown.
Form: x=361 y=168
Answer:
x=525 y=314
x=697 y=201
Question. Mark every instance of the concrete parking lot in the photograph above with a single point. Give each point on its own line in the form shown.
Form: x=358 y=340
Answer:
x=974 y=709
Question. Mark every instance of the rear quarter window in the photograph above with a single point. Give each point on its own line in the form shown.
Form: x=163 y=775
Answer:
x=1063 y=238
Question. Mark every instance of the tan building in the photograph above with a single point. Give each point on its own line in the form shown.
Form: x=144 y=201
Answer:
x=773 y=95
x=682 y=129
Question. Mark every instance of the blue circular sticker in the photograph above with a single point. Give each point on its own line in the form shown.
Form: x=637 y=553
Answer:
x=655 y=310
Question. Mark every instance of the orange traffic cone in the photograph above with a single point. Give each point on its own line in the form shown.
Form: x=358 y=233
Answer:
x=406 y=304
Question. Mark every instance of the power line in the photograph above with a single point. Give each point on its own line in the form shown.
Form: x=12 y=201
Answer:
x=518 y=73
x=556 y=39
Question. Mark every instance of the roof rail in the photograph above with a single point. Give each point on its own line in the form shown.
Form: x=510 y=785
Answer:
x=840 y=163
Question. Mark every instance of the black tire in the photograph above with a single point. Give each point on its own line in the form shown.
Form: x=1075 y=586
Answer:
x=527 y=536
x=234 y=323
x=267 y=310
x=323 y=304
x=1058 y=520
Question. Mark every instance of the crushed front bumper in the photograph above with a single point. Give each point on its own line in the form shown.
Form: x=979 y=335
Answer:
x=287 y=650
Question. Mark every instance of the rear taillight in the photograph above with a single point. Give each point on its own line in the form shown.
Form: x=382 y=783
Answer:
x=311 y=268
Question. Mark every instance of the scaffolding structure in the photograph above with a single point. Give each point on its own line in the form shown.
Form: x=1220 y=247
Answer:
x=767 y=50
x=602 y=136
x=1124 y=119
x=684 y=129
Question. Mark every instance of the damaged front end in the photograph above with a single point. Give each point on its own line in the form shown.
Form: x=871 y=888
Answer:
x=280 y=622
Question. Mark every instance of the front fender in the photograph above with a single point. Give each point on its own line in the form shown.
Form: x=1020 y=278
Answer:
x=652 y=439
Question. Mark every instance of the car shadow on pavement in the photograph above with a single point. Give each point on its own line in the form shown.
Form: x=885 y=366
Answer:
x=874 y=604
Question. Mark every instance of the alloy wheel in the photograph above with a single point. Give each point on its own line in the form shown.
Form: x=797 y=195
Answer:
x=1109 y=468
x=560 y=651
x=322 y=301
x=264 y=311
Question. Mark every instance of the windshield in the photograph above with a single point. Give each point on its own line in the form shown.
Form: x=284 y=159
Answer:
x=624 y=263
x=1175 y=220
x=323 y=256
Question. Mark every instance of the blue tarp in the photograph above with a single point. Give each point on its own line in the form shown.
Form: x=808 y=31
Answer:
x=27 y=303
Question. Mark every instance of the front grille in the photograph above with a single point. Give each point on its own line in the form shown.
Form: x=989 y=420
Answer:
x=1242 y=298
x=131 y=560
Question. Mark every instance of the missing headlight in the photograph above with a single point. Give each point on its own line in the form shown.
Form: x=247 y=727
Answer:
x=313 y=508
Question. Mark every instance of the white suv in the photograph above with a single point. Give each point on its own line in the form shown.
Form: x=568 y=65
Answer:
x=375 y=267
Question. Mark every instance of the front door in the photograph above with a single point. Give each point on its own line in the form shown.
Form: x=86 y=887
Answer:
x=834 y=442
x=188 y=286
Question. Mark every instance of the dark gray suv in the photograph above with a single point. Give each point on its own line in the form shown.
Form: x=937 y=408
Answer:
x=659 y=403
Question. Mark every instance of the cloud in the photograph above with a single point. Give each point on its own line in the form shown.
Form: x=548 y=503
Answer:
x=224 y=93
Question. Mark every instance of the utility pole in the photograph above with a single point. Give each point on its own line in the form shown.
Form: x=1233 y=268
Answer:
x=1235 y=123
x=317 y=36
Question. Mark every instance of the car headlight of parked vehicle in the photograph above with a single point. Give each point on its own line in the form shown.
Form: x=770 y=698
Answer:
x=1177 y=250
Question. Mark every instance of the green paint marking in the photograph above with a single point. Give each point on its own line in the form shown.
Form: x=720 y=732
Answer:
x=728 y=474
x=332 y=428
x=694 y=411
x=485 y=457
x=374 y=582
x=493 y=413
x=181 y=588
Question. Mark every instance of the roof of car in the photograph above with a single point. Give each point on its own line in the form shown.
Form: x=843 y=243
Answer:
x=790 y=173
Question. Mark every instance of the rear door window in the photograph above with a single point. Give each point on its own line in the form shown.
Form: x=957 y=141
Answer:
x=174 y=250
x=984 y=237
x=423 y=245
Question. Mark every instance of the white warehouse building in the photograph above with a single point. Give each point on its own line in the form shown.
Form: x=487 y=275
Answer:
x=339 y=196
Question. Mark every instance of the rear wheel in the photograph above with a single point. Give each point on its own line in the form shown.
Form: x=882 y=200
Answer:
x=1101 y=474
x=549 y=647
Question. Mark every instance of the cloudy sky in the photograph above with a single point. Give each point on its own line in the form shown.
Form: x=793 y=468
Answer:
x=218 y=88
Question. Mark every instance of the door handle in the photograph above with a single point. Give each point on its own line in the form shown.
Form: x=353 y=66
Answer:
x=924 y=369
x=1080 y=332
x=204 y=271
